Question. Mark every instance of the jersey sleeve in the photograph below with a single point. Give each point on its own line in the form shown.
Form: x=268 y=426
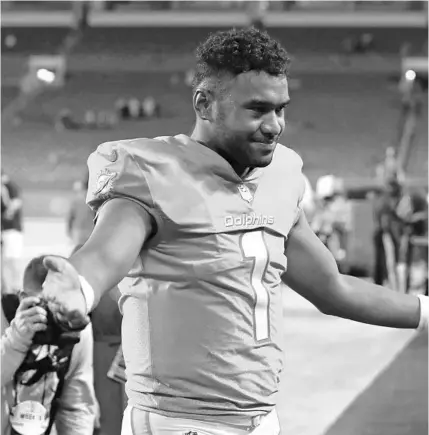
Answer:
x=114 y=172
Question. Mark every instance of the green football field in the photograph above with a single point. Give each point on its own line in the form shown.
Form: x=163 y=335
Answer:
x=340 y=377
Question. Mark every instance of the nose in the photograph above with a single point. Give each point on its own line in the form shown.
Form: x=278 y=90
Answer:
x=272 y=125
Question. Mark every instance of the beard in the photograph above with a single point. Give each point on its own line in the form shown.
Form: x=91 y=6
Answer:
x=243 y=153
x=242 y=149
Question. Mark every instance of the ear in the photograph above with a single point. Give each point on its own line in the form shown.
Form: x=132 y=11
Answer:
x=203 y=104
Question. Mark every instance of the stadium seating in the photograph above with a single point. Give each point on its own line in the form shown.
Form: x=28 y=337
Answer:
x=297 y=40
x=327 y=125
x=338 y=122
x=21 y=41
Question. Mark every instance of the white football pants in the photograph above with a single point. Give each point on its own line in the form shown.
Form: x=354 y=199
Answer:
x=138 y=422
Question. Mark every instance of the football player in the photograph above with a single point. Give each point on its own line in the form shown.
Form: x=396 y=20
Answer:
x=201 y=230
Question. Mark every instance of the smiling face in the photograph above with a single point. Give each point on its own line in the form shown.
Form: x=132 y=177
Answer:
x=248 y=120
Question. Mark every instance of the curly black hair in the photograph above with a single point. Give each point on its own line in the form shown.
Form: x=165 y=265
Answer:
x=237 y=51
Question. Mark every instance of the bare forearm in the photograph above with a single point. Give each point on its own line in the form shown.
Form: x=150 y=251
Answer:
x=366 y=302
x=95 y=269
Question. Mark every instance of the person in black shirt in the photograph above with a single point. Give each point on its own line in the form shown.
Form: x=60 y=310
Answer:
x=413 y=212
x=387 y=222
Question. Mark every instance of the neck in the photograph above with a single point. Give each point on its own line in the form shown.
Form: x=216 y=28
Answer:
x=201 y=138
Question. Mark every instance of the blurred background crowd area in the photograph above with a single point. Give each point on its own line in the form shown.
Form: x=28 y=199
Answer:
x=76 y=74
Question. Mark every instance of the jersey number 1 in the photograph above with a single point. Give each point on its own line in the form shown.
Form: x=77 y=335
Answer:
x=253 y=246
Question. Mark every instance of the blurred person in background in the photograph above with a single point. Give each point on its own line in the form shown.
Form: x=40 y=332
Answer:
x=122 y=109
x=90 y=119
x=65 y=120
x=134 y=108
x=4 y=198
x=389 y=226
x=412 y=209
x=332 y=218
x=105 y=119
x=80 y=219
x=46 y=377
x=150 y=108
x=12 y=233
x=388 y=222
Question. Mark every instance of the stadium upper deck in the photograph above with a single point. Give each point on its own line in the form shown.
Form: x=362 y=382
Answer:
x=179 y=40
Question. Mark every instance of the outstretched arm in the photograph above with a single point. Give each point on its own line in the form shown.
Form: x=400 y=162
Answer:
x=74 y=287
x=121 y=230
x=312 y=272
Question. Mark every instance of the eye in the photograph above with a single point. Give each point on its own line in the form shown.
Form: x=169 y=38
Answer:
x=258 y=110
x=280 y=110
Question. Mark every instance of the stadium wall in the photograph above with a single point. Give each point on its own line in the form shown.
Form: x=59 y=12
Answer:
x=132 y=18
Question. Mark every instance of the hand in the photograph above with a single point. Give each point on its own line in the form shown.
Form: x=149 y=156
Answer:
x=59 y=284
x=30 y=318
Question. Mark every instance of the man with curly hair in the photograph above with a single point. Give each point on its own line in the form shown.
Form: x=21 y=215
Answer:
x=205 y=228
